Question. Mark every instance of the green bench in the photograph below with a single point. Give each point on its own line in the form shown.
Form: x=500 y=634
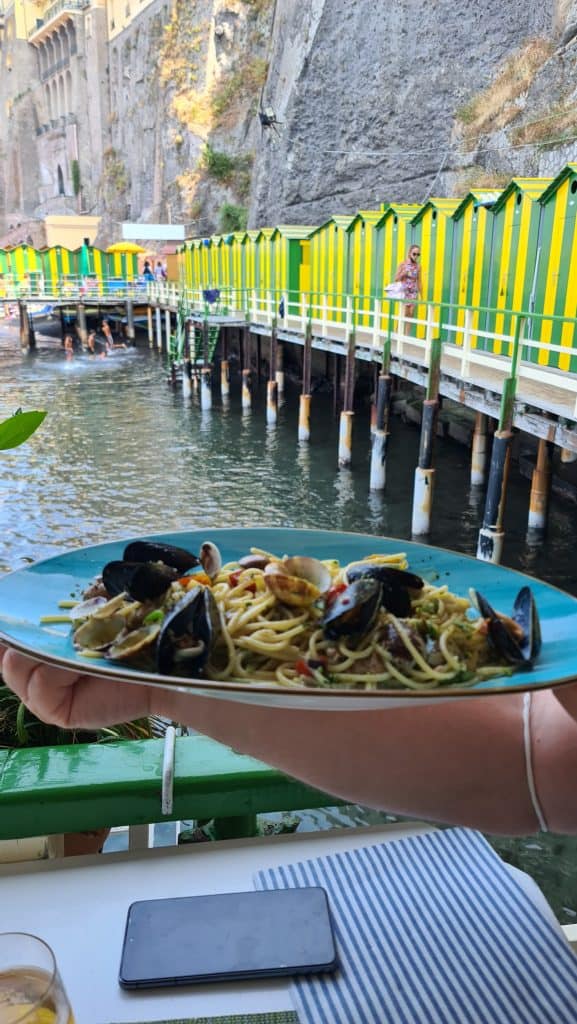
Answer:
x=51 y=790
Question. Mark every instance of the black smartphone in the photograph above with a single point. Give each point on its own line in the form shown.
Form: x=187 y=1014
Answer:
x=227 y=936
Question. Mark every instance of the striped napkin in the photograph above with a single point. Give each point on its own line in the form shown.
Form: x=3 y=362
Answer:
x=433 y=929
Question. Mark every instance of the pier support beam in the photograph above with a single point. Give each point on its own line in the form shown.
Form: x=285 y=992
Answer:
x=425 y=473
x=271 y=403
x=379 y=445
x=304 y=430
x=479 y=451
x=186 y=364
x=149 y=324
x=206 y=388
x=491 y=534
x=347 y=415
x=225 y=380
x=246 y=393
x=158 y=334
x=130 y=335
x=540 y=488
x=167 y=330
x=272 y=388
x=81 y=324
x=27 y=336
x=279 y=375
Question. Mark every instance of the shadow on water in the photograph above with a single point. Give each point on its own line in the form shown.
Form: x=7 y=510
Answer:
x=121 y=453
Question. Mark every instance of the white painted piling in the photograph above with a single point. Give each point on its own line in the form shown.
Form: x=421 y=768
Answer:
x=158 y=316
x=479 y=452
x=540 y=489
x=206 y=388
x=377 y=475
x=186 y=380
x=490 y=544
x=271 y=403
x=304 y=432
x=246 y=394
x=346 y=438
x=167 y=329
x=149 y=322
x=422 y=501
x=224 y=379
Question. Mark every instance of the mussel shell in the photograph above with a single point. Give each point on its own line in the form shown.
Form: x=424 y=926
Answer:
x=354 y=611
x=188 y=634
x=143 y=581
x=516 y=652
x=395 y=583
x=525 y=614
x=156 y=551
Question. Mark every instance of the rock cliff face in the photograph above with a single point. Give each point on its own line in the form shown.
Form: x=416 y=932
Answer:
x=376 y=101
x=369 y=93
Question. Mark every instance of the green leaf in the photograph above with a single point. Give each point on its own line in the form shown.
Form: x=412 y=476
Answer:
x=18 y=428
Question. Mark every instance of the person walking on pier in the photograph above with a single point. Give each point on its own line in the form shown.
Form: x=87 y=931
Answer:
x=409 y=275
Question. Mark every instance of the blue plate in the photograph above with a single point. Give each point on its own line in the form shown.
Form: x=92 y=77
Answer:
x=30 y=593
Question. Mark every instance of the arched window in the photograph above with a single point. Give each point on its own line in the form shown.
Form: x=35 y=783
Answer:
x=61 y=97
x=48 y=102
x=61 y=190
x=57 y=48
x=72 y=38
x=49 y=54
x=68 y=91
x=64 y=42
x=54 y=100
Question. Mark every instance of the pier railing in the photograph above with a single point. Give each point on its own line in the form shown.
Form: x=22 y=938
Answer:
x=475 y=340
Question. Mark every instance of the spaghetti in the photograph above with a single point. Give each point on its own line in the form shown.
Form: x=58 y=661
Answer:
x=278 y=625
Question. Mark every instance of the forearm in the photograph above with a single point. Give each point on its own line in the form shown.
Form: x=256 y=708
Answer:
x=459 y=762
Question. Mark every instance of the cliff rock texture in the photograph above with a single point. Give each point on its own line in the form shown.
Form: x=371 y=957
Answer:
x=373 y=101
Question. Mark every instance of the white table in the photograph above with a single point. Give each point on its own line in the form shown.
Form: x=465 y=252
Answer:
x=79 y=907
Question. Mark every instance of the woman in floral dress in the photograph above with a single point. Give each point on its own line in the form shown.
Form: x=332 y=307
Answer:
x=409 y=274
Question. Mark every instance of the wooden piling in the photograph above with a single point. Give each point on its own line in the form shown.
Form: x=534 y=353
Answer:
x=258 y=359
x=425 y=472
x=206 y=388
x=167 y=330
x=224 y=380
x=377 y=476
x=27 y=336
x=130 y=334
x=491 y=534
x=304 y=428
x=479 y=451
x=246 y=393
x=271 y=403
x=279 y=375
x=81 y=324
x=149 y=323
x=540 y=488
x=347 y=415
x=158 y=335
x=186 y=363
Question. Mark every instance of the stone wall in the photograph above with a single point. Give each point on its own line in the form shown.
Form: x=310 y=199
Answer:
x=374 y=102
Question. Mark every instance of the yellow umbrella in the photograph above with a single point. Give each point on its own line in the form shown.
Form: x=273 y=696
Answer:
x=131 y=247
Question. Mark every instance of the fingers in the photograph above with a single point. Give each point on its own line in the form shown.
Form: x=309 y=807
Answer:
x=70 y=699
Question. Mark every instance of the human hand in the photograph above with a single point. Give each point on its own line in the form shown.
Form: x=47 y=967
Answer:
x=72 y=700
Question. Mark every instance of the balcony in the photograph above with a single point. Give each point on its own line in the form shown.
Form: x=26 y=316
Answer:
x=54 y=16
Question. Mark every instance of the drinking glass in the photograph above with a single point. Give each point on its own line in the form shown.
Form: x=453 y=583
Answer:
x=31 y=991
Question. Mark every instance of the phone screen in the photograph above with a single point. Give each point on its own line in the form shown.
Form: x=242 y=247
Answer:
x=227 y=936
